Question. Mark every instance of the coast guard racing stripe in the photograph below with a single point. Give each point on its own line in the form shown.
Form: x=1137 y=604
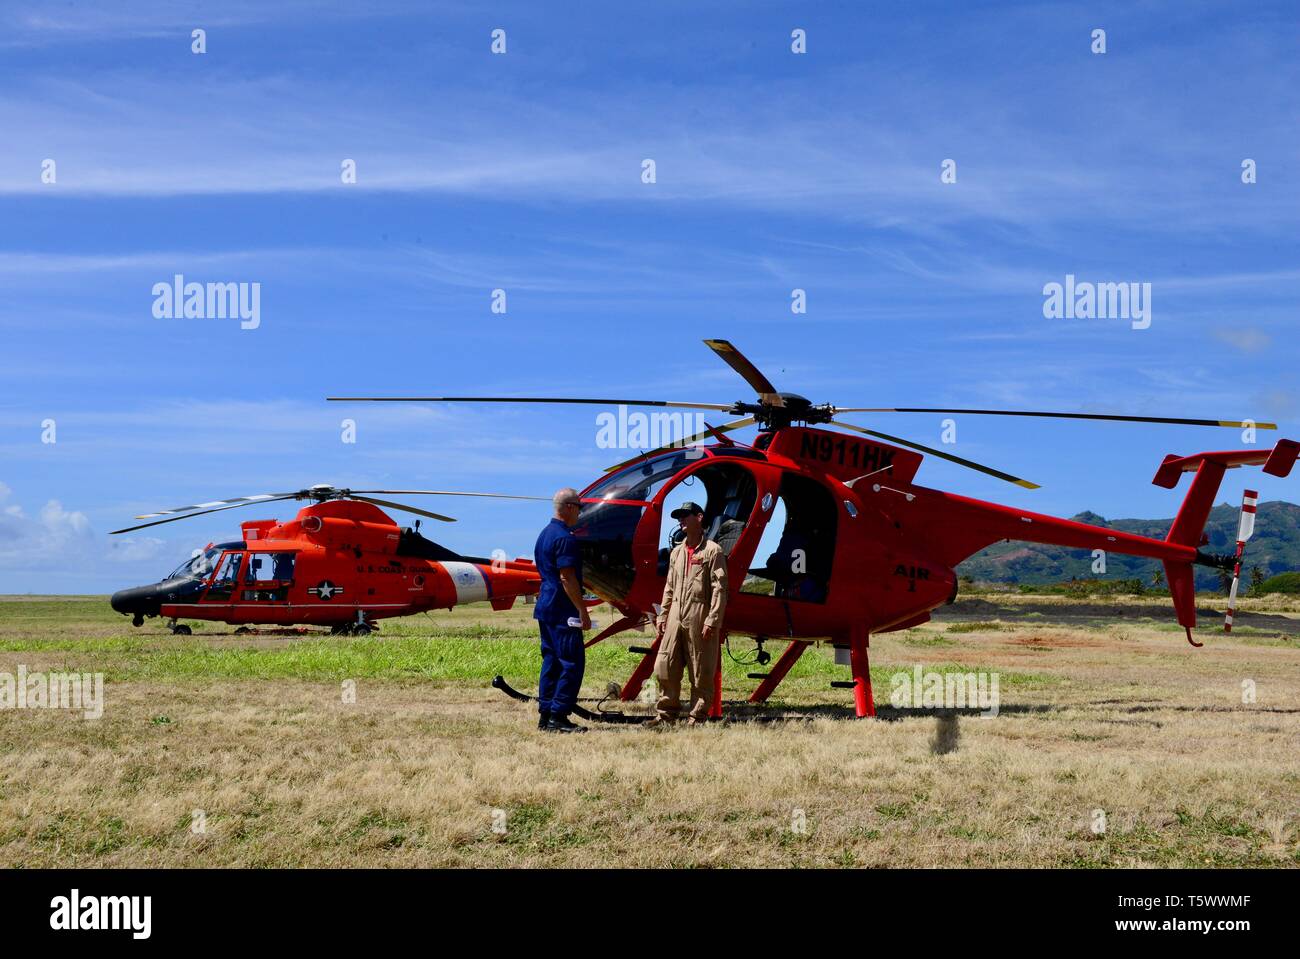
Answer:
x=471 y=585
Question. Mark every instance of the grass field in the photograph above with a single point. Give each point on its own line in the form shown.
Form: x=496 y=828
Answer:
x=1103 y=707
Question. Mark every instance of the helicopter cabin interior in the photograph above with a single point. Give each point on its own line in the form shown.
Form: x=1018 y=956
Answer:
x=797 y=540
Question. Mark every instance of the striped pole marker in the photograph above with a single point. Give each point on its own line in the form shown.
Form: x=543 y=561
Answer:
x=1245 y=529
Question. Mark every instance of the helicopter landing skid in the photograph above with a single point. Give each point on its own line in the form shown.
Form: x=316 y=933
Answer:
x=863 y=701
x=499 y=682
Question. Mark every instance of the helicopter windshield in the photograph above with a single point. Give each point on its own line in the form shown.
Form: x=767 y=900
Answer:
x=198 y=566
x=605 y=530
x=641 y=481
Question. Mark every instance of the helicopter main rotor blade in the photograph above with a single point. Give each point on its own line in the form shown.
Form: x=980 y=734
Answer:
x=173 y=519
x=233 y=501
x=403 y=507
x=1177 y=421
x=970 y=464
x=751 y=373
x=446 y=492
x=723 y=407
x=687 y=441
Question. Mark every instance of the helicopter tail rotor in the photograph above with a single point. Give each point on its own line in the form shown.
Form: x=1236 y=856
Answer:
x=1245 y=529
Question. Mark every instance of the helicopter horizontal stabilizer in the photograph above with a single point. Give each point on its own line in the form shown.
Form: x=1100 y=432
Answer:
x=1189 y=525
x=1188 y=528
x=1276 y=462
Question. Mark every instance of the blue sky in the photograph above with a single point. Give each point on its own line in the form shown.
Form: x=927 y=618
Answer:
x=522 y=171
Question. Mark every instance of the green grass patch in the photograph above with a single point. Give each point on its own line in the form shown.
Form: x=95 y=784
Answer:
x=927 y=640
x=979 y=627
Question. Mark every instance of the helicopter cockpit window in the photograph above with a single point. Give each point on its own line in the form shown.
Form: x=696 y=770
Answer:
x=197 y=566
x=643 y=480
x=605 y=530
x=227 y=577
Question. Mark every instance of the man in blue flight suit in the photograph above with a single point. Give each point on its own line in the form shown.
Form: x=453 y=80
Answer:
x=561 y=616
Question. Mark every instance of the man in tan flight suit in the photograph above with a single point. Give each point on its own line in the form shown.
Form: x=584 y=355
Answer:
x=694 y=601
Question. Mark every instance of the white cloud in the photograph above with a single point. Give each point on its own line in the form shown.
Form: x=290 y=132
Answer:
x=1246 y=339
x=137 y=549
x=710 y=142
x=55 y=537
x=62 y=541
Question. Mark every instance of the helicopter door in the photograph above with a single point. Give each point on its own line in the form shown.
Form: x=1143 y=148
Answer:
x=225 y=580
x=727 y=491
x=268 y=578
x=798 y=546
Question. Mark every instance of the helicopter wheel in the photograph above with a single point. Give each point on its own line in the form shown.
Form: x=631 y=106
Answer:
x=361 y=629
x=137 y=621
x=182 y=630
x=242 y=631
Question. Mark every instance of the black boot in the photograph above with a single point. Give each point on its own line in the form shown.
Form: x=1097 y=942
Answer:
x=560 y=724
x=543 y=719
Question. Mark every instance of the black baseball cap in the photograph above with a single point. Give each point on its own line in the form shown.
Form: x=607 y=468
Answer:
x=686 y=509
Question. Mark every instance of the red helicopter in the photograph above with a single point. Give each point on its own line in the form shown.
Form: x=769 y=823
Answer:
x=862 y=549
x=341 y=562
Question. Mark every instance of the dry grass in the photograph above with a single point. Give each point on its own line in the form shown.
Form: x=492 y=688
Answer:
x=1127 y=719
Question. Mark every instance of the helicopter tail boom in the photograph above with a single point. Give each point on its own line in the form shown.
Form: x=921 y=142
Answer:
x=1180 y=551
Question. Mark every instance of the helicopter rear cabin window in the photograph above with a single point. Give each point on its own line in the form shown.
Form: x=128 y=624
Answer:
x=267 y=577
x=269 y=567
x=803 y=523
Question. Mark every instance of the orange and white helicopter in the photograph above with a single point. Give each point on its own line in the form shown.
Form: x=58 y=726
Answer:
x=341 y=562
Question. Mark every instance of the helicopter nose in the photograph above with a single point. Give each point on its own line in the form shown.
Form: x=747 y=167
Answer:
x=136 y=601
